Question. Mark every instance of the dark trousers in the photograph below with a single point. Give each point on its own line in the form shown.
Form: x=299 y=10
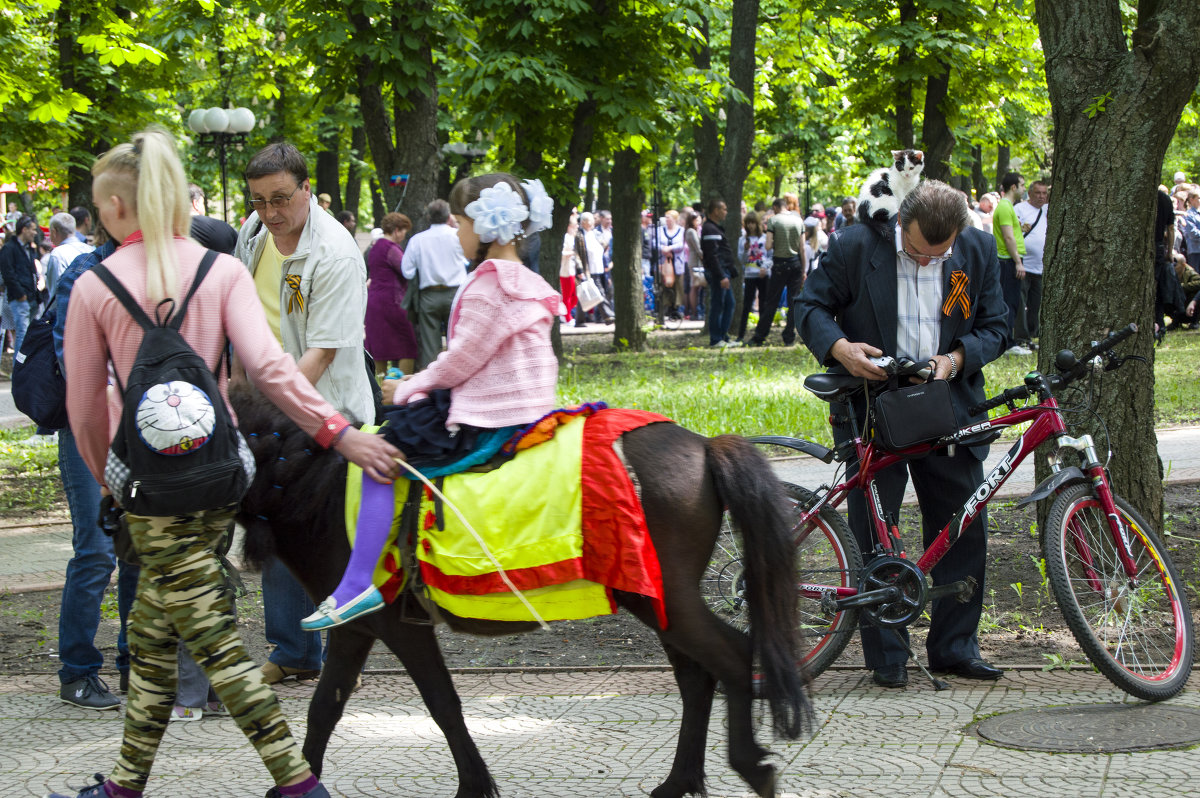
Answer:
x=1011 y=287
x=1031 y=299
x=942 y=484
x=786 y=273
x=752 y=287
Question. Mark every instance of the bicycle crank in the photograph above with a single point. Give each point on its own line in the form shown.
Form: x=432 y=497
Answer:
x=899 y=587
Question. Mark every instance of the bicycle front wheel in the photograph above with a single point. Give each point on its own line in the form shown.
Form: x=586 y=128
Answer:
x=1137 y=632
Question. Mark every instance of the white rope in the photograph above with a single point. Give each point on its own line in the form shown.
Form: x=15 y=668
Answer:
x=479 y=540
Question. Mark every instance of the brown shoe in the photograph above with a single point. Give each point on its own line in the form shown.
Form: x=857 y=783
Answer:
x=274 y=674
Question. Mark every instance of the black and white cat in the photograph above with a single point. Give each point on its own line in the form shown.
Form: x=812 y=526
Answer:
x=885 y=188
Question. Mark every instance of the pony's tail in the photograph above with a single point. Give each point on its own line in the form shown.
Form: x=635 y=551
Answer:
x=750 y=490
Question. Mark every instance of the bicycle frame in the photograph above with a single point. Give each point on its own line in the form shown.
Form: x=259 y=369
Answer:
x=1047 y=423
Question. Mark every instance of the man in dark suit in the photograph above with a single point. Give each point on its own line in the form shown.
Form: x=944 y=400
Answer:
x=926 y=287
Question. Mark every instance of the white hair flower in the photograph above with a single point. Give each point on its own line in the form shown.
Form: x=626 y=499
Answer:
x=541 y=207
x=497 y=214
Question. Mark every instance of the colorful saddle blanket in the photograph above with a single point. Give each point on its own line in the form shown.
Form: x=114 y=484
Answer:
x=563 y=519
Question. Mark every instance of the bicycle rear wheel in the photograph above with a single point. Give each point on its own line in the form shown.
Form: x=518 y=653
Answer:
x=1138 y=633
x=826 y=554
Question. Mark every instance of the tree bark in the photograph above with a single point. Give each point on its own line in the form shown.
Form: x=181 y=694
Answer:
x=937 y=136
x=1003 y=154
x=354 y=176
x=904 y=89
x=1099 y=254
x=723 y=169
x=408 y=144
x=627 y=200
x=327 y=173
x=977 y=177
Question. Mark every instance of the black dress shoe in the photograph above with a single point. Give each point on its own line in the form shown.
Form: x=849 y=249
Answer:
x=891 y=676
x=974 y=668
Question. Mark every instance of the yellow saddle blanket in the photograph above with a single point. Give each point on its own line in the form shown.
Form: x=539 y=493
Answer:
x=528 y=536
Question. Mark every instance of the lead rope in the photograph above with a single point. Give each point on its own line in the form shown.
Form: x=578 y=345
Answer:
x=479 y=540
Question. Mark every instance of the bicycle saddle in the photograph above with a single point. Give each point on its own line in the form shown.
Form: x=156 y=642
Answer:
x=832 y=387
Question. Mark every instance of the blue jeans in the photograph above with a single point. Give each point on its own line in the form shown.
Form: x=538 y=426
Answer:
x=88 y=573
x=284 y=604
x=722 y=313
x=20 y=312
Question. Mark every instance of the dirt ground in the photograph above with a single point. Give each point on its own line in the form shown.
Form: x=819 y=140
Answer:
x=1021 y=624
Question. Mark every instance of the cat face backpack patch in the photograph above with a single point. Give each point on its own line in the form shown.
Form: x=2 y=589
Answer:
x=176 y=451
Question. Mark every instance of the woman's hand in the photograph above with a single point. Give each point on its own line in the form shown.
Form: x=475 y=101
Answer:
x=388 y=388
x=372 y=453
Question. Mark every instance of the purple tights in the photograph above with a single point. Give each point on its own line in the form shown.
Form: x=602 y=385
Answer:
x=374 y=528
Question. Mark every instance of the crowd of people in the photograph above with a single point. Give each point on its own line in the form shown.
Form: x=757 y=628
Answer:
x=456 y=325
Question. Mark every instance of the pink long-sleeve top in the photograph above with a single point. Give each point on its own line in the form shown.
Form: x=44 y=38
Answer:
x=226 y=304
x=499 y=364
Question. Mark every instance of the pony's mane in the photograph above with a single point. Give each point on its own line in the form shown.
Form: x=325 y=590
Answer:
x=299 y=487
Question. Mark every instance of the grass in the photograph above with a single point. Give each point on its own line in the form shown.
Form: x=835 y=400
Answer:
x=29 y=479
x=756 y=391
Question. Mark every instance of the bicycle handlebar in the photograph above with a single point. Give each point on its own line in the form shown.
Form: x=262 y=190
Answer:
x=1070 y=369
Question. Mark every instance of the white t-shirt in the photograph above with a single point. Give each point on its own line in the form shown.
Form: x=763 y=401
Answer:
x=1035 y=238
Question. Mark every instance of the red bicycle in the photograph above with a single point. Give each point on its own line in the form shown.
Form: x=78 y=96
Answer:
x=1111 y=575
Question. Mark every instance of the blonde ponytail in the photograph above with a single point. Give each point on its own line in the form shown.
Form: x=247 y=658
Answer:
x=155 y=177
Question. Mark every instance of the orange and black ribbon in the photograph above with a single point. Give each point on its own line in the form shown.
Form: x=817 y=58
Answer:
x=958 y=294
x=296 y=299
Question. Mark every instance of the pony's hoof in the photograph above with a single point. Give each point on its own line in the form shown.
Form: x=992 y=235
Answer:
x=672 y=788
x=763 y=781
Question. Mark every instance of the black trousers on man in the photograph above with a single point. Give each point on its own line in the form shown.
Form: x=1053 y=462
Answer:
x=942 y=483
x=785 y=272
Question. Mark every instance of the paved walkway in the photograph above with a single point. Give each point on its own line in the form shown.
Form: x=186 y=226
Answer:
x=609 y=735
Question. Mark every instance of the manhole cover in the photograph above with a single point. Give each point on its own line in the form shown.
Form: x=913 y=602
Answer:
x=1094 y=728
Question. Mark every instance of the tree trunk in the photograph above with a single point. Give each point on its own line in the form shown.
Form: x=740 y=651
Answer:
x=905 y=64
x=328 y=177
x=1099 y=254
x=604 y=187
x=583 y=133
x=627 y=199
x=722 y=170
x=1003 y=153
x=977 y=177
x=413 y=150
x=938 y=138
x=354 y=175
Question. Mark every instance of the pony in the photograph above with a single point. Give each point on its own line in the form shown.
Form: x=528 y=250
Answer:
x=295 y=509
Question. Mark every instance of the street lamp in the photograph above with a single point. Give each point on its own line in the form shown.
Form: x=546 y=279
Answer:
x=218 y=128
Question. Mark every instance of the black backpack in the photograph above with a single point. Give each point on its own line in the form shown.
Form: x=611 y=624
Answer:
x=176 y=451
x=38 y=388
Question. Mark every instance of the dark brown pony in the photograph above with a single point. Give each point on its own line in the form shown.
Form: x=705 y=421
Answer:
x=295 y=509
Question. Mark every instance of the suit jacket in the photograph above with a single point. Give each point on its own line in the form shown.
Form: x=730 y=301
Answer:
x=853 y=296
x=17 y=270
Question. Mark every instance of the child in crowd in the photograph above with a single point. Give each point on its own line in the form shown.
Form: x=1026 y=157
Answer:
x=497 y=374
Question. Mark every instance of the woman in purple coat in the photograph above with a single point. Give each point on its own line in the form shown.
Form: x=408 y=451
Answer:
x=390 y=335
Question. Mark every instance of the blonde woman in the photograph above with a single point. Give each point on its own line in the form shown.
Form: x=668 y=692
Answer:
x=141 y=193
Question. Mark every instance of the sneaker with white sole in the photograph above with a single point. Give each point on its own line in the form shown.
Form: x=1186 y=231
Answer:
x=186 y=713
x=90 y=692
x=329 y=614
x=316 y=792
x=216 y=709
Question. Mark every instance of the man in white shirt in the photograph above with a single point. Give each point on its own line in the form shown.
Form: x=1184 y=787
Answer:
x=1033 y=214
x=595 y=265
x=312 y=282
x=435 y=267
x=67 y=247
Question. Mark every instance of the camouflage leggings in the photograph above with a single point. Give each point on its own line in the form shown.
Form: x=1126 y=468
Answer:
x=181 y=596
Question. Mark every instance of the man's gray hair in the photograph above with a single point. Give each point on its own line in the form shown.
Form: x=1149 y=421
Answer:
x=439 y=211
x=63 y=224
x=939 y=209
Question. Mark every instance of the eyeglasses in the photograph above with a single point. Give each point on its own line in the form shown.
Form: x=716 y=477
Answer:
x=930 y=260
x=275 y=202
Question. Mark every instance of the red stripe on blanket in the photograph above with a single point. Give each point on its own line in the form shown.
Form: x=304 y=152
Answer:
x=617 y=550
x=555 y=573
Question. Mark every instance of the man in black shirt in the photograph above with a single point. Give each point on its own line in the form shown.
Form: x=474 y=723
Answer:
x=719 y=270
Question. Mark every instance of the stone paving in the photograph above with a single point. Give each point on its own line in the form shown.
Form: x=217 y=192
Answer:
x=609 y=733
